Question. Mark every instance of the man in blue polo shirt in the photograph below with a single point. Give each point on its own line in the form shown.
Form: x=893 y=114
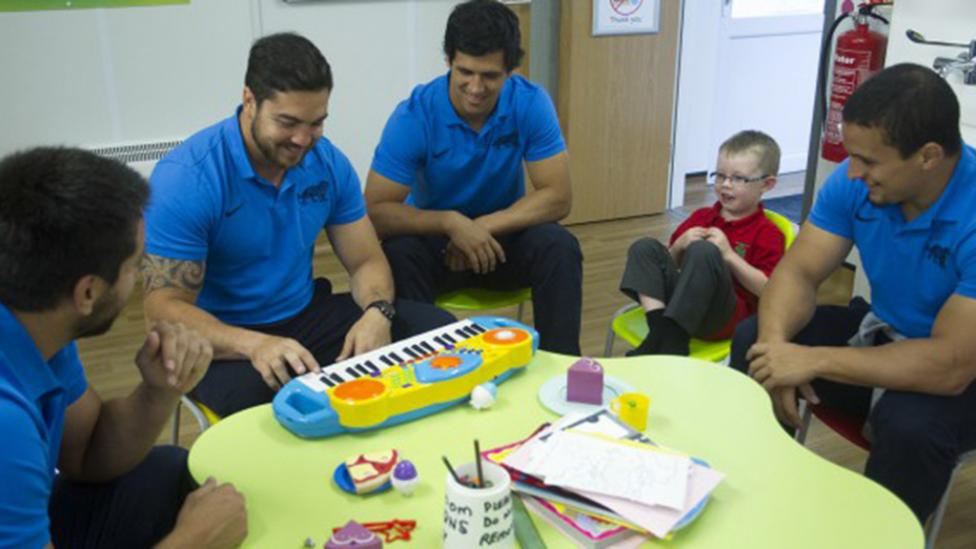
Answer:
x=905 y=198
x=446 y=189
x=70 y=243
x=231 y=229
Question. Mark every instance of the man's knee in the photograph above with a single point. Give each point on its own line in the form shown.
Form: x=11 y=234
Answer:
x=745 y=335
x=646 y=247
x=554 y=241
x=911 y=422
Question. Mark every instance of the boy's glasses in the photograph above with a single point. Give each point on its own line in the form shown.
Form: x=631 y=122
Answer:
x=718 y=177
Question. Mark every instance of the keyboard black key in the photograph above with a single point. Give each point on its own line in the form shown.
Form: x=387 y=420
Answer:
x=396 y=357
x=441 y=342
x=352 y=371
x=479 y=328
x=362 y=369
x=428 y=347
x=461 y=333
x=386 y=360
x=410 y=353
x=372 y=368
x=326 y=380
x=336 y=378
x=418 y=349
x=450 y=339
x=470 y=331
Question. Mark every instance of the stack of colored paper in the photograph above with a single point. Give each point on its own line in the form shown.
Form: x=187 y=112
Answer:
x=591 y=475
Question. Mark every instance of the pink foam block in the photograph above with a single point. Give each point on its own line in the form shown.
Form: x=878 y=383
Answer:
x=354 y=536
x=584 y=382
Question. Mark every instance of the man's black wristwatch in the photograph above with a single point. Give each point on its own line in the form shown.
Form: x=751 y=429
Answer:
x=384 y=307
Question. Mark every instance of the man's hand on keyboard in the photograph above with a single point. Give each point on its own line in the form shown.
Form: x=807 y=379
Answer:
x=274 y=355
x=371 y=331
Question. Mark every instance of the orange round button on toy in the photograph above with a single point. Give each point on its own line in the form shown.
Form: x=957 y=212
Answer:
x=359 y=389
x=445 y=362
x=506 y=336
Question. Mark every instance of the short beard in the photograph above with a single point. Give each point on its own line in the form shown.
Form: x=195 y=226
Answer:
x=100 y=321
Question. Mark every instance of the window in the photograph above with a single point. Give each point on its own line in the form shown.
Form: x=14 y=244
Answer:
x=742 y=9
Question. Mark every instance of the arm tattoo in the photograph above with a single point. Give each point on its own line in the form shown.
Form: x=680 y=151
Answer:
x=162 y=272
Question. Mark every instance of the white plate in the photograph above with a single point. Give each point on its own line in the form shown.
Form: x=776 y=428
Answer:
x=552 y=395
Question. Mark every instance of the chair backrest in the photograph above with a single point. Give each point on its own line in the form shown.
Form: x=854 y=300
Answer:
x=784 y=225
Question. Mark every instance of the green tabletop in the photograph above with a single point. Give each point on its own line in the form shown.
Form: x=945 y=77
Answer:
x=776 y=493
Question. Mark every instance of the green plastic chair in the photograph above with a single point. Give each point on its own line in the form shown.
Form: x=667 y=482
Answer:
x=480 y=299
x=205 y=417
x=630 y=325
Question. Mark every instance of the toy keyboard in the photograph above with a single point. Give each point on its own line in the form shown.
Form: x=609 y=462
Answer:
x=405 y=380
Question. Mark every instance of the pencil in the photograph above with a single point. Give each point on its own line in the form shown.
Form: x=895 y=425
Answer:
x=477 y=461
x=451 y=470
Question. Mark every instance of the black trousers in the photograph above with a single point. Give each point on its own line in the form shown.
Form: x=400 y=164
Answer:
x=546 y=258
x=699 y=296
x=917 y=438
x=233 y=385
x=135 y=510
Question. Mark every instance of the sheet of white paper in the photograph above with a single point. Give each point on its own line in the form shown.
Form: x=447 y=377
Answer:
x=529 y=457
x=645 y=475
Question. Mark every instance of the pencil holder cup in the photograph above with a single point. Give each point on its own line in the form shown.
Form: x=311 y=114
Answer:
x=478 y=517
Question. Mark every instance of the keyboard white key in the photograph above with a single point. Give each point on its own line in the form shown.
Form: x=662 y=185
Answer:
x=371 y=364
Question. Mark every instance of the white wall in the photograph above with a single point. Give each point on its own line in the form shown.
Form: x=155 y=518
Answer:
x=943 y=20
x=132 y=75
x=92 y=77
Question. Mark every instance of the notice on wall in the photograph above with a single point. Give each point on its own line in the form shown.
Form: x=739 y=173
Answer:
x=626 y=17
x=37 y=5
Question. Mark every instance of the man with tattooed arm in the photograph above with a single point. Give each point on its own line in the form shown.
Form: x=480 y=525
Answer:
x=231 y=229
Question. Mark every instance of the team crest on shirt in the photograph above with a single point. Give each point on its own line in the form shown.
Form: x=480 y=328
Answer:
x=741 y=248
x=315 y=193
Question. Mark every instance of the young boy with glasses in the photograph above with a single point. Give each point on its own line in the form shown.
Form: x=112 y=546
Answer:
x=710 y=275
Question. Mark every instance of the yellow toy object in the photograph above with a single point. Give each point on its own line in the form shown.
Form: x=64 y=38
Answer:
x=310 y=406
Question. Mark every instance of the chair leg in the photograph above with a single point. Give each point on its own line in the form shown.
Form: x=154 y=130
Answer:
x=197 y=413
x=176 y=426
x=521 y=308
x=936 y=521
x=805 y=413
x=608 y=348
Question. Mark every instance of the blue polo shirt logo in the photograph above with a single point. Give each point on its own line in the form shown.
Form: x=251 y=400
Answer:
x=315 y=193
x=937 y=254
x=508 y=140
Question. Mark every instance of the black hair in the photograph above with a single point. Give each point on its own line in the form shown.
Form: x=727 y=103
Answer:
x=64 y=214
x=285 y=62
x=480 y=27
x=912 y=106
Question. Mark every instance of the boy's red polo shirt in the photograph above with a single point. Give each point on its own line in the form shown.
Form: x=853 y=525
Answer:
x=753 y=237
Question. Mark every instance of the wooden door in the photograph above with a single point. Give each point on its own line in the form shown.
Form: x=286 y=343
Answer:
x=616 y=101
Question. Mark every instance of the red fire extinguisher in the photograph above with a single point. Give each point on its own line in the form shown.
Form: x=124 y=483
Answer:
x=859 y=54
